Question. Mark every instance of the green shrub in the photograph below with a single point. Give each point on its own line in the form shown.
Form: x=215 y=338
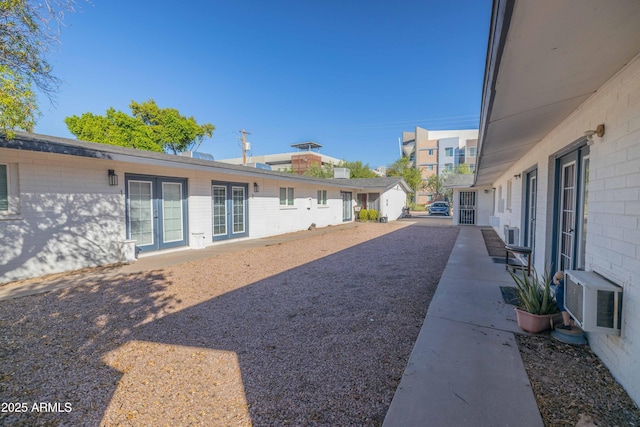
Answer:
x=364 y=215
x=373 y=215
x=534 y=292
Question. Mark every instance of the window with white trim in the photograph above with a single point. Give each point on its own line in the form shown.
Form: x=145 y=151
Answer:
x=9 y=190
x=322 y=197
x=286 y=196
x=4 y=188
x=509 y=190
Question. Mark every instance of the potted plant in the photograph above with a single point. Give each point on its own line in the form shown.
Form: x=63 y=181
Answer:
x=537 y=306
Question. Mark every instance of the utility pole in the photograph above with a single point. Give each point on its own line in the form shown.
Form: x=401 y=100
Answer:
x=244 y=134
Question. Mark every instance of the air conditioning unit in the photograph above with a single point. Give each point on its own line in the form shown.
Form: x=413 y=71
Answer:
x=594 y=302
x=511 y=235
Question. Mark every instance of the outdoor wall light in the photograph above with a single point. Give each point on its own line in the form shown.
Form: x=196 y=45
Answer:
x=517 y=176
x=256 y=187
x=113 y=178
x=598 y=131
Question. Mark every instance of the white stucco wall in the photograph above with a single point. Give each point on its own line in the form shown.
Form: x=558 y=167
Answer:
x=613 y=227
x=64 y=216
x=392 y=201
x=484 y=205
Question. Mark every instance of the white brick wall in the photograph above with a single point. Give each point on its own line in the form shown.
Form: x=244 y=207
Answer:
x=70 y=218
x=67 y=220
x=613 y=236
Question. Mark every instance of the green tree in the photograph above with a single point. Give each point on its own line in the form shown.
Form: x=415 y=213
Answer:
x=28 y=30
x=463 y=169
x=17 y=102
x=173 y=131
x=412 y=176
x=115 y=128
x=357 y=169
x=149 y=128
x=435 y=185
x=326 y=171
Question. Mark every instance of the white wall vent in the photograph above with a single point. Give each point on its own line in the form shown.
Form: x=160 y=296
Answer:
x=495 y=221
x=594 y=302
x=511 y=235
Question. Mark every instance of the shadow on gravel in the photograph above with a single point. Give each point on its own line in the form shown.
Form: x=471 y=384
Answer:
x=324 y=343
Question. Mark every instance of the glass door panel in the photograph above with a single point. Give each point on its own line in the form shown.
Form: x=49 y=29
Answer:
x=219 y=202
x=347 y=206
x=141 y=217
x=567 y=215
x=584 y=193
x=238 y=209
x=172 y=212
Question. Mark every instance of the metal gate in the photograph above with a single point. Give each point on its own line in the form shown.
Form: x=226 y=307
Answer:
x=467 y=208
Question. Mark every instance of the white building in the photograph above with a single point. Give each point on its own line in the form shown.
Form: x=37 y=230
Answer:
x=68 y=204
x=559 y=152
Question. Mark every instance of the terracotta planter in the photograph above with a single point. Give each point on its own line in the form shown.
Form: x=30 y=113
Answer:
x=535 y=323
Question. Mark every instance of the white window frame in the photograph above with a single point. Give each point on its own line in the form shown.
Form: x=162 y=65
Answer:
x=509 y=193
x=289 y=197
x=322 y=198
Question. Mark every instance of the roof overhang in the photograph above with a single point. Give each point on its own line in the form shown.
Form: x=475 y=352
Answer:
x=544 y=59
x=71 y=147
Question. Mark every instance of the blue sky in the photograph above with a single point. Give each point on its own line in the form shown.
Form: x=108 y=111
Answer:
x=350 y=75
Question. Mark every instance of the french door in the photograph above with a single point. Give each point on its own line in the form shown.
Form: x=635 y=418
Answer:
x=572 y=209
x=229 y=210
x=347 y=206
x=156 y=211
x=531 y=199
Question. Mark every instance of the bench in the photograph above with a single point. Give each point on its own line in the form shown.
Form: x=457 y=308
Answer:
x=521 y=250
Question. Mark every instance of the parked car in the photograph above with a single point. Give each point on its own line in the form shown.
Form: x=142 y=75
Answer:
x=441 y=208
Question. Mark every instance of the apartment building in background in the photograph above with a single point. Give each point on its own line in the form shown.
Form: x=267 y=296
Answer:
x=434 y=152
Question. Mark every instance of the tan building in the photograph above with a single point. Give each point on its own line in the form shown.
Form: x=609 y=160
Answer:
x=434 y=152
x=299 y=161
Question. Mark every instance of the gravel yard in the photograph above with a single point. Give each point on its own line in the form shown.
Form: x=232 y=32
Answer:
x=315 y=331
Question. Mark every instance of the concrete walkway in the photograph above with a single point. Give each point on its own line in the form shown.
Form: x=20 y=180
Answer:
x=465 y=368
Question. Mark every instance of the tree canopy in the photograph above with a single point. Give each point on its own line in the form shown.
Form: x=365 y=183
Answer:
x=357 y=170
x=403 y=168
x=17 y=102
x=148 y=128
x=28 y=30
x=435 y=183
